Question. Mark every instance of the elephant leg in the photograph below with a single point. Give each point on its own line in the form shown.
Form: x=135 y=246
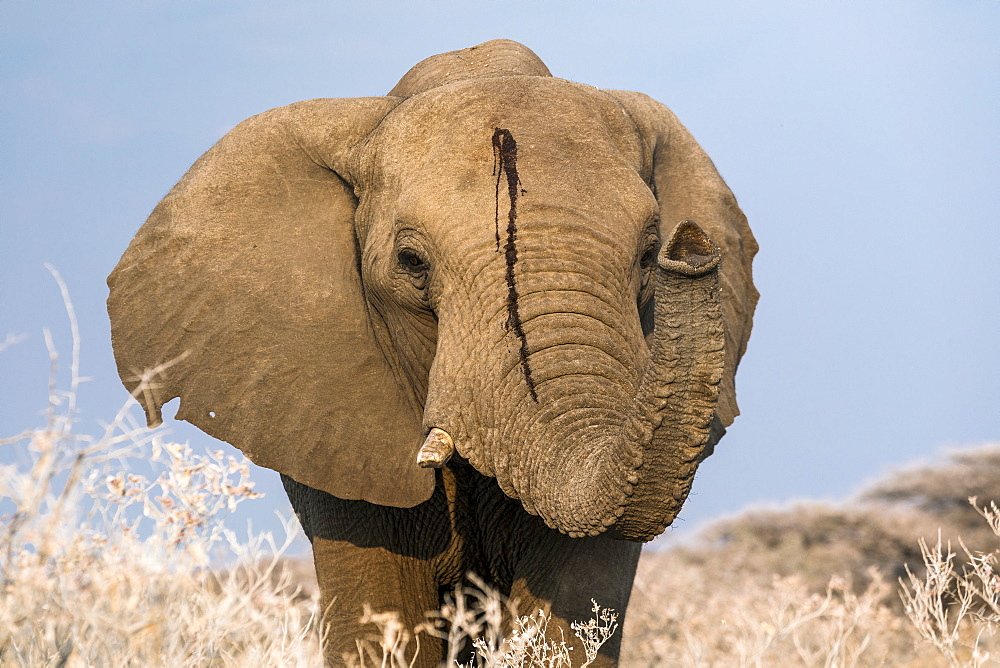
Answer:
x=390 y=559
x=351 y=577
x=561 y=575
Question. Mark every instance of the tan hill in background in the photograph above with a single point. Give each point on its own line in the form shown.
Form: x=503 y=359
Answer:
x=815 y=583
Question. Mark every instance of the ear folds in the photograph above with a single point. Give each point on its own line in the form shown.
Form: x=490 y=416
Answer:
x=244 y=287
x=688 y=187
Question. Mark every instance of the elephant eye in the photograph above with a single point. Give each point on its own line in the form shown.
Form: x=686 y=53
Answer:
x=647 y=264
x=411 y=262
x=649 y=243
x=649 y=255
x=414 y=267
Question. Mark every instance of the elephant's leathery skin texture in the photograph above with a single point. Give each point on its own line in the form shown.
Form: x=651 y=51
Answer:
x=553 y=276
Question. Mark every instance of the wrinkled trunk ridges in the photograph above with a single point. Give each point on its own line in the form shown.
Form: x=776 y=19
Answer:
x=681 y=387
x=593 y=452
x=570 y=462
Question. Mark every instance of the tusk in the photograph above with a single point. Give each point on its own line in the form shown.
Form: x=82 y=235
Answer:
x=436 y=450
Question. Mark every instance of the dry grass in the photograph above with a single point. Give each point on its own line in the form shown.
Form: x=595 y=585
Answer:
x=956 y=608
x=474 y=617
x=816 y=584
x=114 y=552
x=686 y=615
x=106 y=551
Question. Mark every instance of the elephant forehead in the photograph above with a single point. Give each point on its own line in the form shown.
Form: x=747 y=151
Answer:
x=609 y=190
x=550 y=120
x=565 y=144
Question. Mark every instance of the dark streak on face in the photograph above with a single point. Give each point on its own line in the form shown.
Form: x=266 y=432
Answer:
x=505 y=165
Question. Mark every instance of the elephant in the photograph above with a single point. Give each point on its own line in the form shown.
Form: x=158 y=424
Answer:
x=488 y=323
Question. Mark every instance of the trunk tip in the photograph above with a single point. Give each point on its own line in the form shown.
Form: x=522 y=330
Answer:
x=689 y=251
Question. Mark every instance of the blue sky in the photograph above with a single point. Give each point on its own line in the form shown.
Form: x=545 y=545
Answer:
x=861 y=139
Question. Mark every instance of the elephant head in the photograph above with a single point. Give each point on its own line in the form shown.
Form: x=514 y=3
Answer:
x=550 y=278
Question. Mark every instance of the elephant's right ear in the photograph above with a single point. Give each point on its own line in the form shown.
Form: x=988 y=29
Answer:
x=688 y=187
x=243 y=291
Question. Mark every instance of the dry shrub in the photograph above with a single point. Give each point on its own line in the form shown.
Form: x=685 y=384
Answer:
x=105 y=566
x=940 y=491
x=107 y=544
x=957 y=608
x=807 y=585
x=474 y=618
x=812 y=542
x=686 y=614
x=879 y=528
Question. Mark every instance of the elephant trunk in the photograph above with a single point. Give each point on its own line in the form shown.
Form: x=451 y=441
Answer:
x=634 y=475
x=575 y=465
x=607 y=439
x=680 y=388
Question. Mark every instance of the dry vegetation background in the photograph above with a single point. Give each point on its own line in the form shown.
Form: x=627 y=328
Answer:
x=113 y=552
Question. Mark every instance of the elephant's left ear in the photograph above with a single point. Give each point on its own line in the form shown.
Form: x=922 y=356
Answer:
x=688 y=187
x=241 y=295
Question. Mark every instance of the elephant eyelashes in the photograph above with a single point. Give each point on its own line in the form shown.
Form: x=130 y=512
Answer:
x=651 y=239
x=415 y=267
x=412 y=262
x=648 y=257
x=647 y=263
x=647 y=260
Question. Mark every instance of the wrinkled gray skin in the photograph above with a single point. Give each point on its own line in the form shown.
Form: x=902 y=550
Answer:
x=489 y=251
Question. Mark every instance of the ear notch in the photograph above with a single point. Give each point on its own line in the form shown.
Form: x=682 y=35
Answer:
x=496 y=58
x=689 y=188
x=243 y=288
